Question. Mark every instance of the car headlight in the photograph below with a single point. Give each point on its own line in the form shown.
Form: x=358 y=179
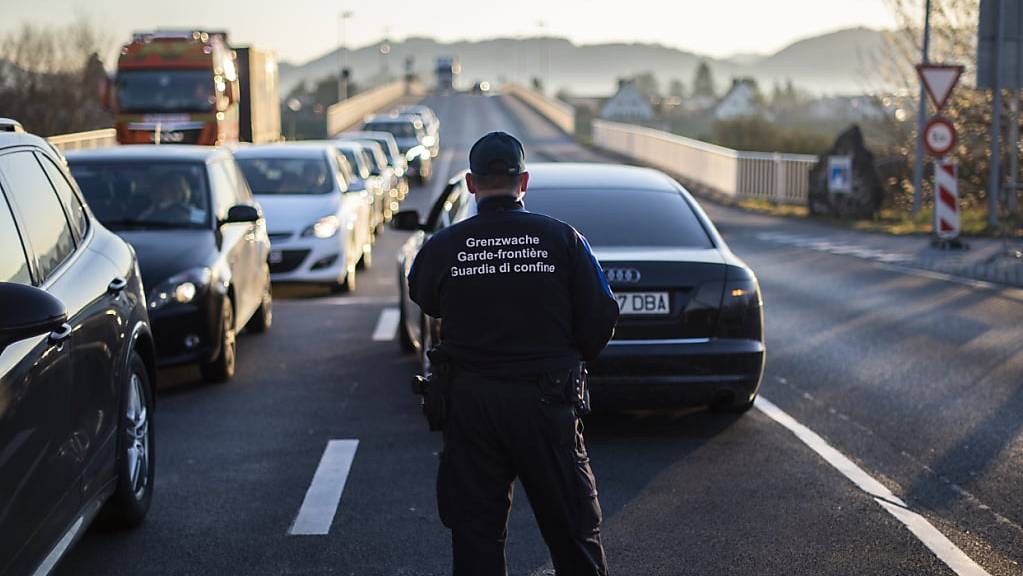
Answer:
x=180 y=289
x=323 y=228
x=415 y=153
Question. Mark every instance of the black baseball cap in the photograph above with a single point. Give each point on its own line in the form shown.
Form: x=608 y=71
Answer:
x=497 y=153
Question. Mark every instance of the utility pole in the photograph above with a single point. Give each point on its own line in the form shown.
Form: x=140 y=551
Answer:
x=921 y=118
x=1014 y=106
x=994 y=176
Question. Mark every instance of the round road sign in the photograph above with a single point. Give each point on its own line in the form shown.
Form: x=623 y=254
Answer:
x=939 y=136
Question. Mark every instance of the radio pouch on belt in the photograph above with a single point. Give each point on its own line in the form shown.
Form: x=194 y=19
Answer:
x=435 y=389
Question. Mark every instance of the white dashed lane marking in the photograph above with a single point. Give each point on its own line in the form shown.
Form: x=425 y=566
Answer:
x=387 y=325
x=924 y=531
x=832 y=247
x=324 y=494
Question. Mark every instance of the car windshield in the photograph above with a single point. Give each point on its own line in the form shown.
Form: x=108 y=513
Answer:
x=287 y=175
x=399 y=129
x=615 y=217
x=165 y=91
x=151 y=194
x=357 y=164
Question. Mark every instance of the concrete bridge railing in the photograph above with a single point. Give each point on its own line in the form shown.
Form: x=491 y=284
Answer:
x=346 y=114
x=782 y=178
x=84 y=140
x=559 y=113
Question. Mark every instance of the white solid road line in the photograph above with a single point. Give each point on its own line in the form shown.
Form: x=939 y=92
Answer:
x=324 y=494
x=387 y=325
x=930 y=536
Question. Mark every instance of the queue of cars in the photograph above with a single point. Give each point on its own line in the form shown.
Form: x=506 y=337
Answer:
x=118 y=261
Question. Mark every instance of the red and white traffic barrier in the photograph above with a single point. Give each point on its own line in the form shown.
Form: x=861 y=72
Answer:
x=946 y=199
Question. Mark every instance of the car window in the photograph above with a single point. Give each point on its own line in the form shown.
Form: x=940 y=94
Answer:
x=223 y=189
x=241 y=187
x=13 y=264
x=444 y=211
x=344 y=166
x=149 y=194
x=75 y=211
x=36 y=202
x=357 y=161
x=615 y=217
x=287 y=175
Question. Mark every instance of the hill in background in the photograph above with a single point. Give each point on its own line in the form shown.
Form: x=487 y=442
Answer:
x=833 y=63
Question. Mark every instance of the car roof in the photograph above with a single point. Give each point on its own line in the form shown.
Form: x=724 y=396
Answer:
x=408 y=118
x=8 y=139
x=375 y=134
x=131 y=152
x=305 y=149
x=587 y=175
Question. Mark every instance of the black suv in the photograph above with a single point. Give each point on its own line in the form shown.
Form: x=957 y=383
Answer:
x=76 y=364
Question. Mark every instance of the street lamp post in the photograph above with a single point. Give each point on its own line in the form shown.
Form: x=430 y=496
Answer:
x=342 y=54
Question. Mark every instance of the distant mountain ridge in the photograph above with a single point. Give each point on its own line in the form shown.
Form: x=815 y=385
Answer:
x=832 y=63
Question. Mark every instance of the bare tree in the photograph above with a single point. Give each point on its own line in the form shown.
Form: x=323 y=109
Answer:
x=953 y=40
x=50 y=77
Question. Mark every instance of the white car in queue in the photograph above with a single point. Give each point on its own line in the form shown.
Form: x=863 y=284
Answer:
x=320 y=230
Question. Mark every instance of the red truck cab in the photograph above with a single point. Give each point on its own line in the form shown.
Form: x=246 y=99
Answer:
x=175 y=88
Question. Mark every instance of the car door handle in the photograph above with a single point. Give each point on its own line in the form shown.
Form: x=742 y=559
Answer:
x=117 y=285
x=59 y=336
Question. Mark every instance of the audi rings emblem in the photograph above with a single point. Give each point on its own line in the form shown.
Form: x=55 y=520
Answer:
x=622 y=275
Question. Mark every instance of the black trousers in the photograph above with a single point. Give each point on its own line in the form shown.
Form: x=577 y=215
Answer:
x=500 y=429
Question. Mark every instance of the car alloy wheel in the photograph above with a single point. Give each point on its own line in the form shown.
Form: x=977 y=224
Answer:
x=137 y=437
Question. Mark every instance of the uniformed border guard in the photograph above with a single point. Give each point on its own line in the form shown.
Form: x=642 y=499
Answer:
x=523 y=303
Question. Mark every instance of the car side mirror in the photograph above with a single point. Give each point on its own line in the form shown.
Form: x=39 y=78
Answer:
x=406 y=220
x=243 y=213
x=27 y=311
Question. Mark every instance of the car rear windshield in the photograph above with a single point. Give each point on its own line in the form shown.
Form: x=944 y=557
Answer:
x=398 y=129
x=150 y=194
x=287 y=175
x=622 y=217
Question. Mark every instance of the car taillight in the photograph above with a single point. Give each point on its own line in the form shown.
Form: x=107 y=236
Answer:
x=741 y=309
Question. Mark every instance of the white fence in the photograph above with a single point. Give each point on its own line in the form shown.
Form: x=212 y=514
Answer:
x=561 y=114
x=346 y=114
x=780 y=178
x=82 y=140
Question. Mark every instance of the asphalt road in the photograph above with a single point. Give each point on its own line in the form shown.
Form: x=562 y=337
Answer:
x=916 y=380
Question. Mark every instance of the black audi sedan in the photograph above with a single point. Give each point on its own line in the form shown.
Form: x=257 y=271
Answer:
x=201 y=241
x=691 y=325
x=77 y=364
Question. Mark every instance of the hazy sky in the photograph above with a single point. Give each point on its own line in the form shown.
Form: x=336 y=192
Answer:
x=303 y=29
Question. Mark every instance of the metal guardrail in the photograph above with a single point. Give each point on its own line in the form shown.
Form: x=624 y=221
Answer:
x=783 y=178
x=561 y=114
x=84 y=140
x=346 y=114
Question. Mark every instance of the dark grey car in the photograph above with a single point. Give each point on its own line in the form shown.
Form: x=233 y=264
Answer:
x=76 y=365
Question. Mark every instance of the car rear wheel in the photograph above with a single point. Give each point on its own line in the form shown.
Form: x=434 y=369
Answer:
x=221 y=369
x=128 y=505
x=263 y=318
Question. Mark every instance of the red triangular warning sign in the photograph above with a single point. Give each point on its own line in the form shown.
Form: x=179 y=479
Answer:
x=939 y=80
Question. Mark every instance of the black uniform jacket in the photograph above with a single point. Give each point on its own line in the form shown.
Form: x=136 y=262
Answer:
x=519 y=293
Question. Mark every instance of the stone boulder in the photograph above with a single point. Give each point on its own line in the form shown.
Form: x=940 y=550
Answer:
x=867 y=189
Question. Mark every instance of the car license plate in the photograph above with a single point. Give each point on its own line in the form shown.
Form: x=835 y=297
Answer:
x=276 y=257
x=649 y=303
